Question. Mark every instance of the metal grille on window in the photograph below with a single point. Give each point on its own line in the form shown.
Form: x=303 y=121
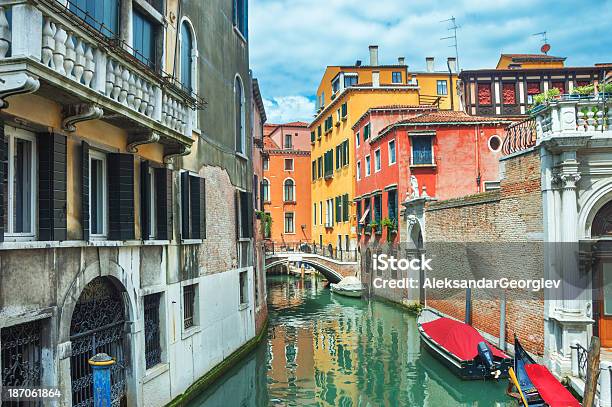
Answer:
x=21 y=358
x=188 y=305
x=152 y=330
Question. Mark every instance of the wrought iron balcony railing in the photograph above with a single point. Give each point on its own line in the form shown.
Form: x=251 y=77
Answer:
x=520 y=136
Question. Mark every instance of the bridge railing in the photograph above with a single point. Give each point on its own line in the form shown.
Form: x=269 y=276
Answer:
x=328 y=251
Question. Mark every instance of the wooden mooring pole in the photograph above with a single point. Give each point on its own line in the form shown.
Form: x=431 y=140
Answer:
x=592 y=374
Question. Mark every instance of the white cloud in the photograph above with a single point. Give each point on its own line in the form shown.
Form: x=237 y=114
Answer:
x=282 y=109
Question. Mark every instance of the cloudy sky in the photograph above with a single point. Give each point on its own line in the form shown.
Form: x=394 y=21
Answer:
x=291 y=41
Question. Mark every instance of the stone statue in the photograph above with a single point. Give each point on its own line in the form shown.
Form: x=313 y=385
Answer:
x=414 y=184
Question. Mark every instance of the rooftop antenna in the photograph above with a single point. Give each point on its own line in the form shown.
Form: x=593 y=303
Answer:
x=453 y=37
x=546 y=46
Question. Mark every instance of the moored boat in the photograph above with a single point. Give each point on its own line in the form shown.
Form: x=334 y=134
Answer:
x=461 y=348
x=348 y=286
x=535 y=385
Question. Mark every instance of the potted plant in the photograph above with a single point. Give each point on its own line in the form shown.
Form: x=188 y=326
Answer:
x=391 y=226
x=374 y=227
x=541 y=99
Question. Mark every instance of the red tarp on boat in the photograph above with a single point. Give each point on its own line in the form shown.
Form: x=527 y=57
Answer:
x=458 y=338
x=551 y=391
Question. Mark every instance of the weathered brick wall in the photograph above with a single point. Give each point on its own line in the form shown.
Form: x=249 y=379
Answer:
x=508 y=221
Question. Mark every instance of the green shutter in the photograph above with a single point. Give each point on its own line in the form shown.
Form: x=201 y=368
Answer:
x=344 y=110
x=338 y=210
x=345 y=208
x=312 y=136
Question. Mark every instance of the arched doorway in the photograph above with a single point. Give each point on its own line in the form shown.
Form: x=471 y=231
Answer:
x=601 y=231
x=98 y=325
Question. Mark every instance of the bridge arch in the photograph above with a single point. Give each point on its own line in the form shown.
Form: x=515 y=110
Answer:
x=331 y=275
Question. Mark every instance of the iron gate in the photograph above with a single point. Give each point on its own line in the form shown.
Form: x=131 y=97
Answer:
x=97 y=326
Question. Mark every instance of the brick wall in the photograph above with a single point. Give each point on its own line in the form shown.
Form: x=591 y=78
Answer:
x=508 y=223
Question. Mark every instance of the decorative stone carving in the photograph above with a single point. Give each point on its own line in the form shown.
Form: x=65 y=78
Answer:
x=80 y=113
x=15 y=84
x=181 y=150
x=135 y=140
x=569 y=180
x=414 y=185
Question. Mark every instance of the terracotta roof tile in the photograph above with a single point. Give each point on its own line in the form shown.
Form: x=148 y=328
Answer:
x=270 y=144
x=444 y=116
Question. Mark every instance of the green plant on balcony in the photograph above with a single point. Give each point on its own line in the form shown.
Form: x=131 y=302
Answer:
x=391 y=226
x=583 y=90
x=605 y=88
x=547 y=96
x=373 y=226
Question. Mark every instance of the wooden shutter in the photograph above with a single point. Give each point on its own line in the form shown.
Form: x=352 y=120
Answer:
x=249 y=213
x=202 y=208
x=52 y=187
x=145 y=200
x=163 y=202
x=120 y=196
x=245 y=203
x=194 y=207
x=338 y=209
x=237 y=211
x=85 y=189
x=3 y=158
x=185 y=213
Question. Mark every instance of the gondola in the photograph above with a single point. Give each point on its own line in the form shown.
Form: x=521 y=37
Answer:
x=461 y=348
x=535 y=385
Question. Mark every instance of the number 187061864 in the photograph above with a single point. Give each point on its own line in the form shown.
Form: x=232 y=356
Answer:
x=30 y=393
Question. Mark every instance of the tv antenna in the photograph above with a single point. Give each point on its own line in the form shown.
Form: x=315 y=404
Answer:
x=545 y=46
x=453 y=37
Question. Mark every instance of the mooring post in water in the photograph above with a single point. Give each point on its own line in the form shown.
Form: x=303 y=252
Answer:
x=101 y=365
x=592 y=373
x=502 y=321
x=468 y=306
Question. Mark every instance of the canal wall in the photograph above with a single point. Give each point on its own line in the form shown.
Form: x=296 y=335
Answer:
x=493 y=234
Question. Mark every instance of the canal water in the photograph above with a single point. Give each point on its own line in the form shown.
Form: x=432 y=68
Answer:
x=326 y=350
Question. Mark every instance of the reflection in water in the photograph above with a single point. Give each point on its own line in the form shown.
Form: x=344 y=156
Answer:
x=327 y=350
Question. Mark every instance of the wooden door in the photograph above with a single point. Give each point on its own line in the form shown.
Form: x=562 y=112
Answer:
x=604 y=319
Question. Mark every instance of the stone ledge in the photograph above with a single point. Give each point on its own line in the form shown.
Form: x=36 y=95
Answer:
x=476 y=199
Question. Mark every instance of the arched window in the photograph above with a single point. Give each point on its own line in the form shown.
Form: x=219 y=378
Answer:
x=265 y=190
x=289 y=190
x=187 y=56
x=240 y=115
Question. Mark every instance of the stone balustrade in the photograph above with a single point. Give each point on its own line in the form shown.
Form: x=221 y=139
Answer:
x=72 y=52
x=574 y=115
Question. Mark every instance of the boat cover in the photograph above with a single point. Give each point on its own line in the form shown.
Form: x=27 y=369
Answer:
x=551 y=391
x=350 y=283
x=458 y=338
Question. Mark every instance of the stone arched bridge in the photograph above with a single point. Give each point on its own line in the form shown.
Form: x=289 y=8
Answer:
x=334 y=267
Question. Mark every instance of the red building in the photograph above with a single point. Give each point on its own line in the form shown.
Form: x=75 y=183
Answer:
x=405 y=152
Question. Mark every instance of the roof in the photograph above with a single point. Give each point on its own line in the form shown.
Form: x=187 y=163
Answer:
x=443 y=117
x=270 y=144
x=393 y=107
x=533 y=57
x=369 y=84
x=259 y=100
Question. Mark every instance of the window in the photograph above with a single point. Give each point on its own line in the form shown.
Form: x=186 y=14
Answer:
x=240 y=17
x=19 y=183
x=314 y=170
x=357 y=141
x=268 y=229
x=358 y=210
x=533 y=88
x=243 y=281
x=319 y=167
x=21 y=355
x=442 y=87
x=288 y=164
x=266 y=164
x=143 y=39
x=240 y=116
x=321 y=212
x=484 y=93
x=350 y=79
x=188 y=55
x=338 y=156
x=396 y=77
x=98 y=190
x=336 y=84
x=338 y=210
x=509 y=93
x=358 y=170
x=288 y=141
x=244 y=207
x=193 y=206
x=345 y=208
x=422 y=151
x=377 y=160
x=289 y=222
x=289 y=188
x=367 y=166
x=312 y=136
x=329 y=163
x=102 y=15
x=329 y=213
x=495 y=143
x=189 y=305
x=378 y=211
x=366 y=132
x=345 y=153
x=152 y=206
x=319 y=132
x=392 y=157
x=265 y=190
x=152 y=330
x=314 y=214
x=392 y=204
x=344 y=110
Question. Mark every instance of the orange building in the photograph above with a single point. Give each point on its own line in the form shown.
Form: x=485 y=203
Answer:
x=286 y=182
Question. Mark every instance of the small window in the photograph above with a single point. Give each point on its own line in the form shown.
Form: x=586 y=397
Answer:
x=392 y=204
x=367 y=166
x=288 y=164
x=240 y=117
x=189 y=305
x=314 y=170
x=102 y=15
x=358 y=170
x=392 y=157
x=377 y=160
x=336 y=84
x=422 y=150
x=265 y=190
x=240 y=17
x=366 y=132
x=396 y=77
x=152 y=206
x=357 y=141
x=152 y=330
x=289 y=222
x=98 y=189
x=495 y=143
x=289 y=189
x=350 y=80
x=21 y=356
x=19 y=183
x=187 y=57
x=442 y=87
x=244 y=287
x=266 y=164
x=314 y=214
x=319 y=167
x=193 y=206
x=288 y=141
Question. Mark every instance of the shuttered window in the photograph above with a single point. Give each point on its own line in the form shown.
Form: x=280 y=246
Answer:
x=345 y=208
x=193 y=207
x=121 y=196
x=155 y=202
x=244 y=214
x=338 y=201
x=186 y=56
x=52 y=187
x=102 y=15
x=144 y=39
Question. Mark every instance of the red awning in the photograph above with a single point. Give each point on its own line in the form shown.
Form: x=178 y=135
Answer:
x=551 y=391
x=458 y=338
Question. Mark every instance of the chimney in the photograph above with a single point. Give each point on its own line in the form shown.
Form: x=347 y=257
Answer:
x=376 y=79
x=373 y=55
x=430 y=64
x=452 y=64
x=358 y=62
x=401 y=61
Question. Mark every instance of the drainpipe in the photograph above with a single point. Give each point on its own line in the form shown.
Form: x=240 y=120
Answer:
x=477 y=138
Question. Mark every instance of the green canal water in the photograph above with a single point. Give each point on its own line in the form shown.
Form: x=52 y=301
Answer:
x=326 y=350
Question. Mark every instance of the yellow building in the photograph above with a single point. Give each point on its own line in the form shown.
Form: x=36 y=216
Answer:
x=530 y=61
x=344 y=94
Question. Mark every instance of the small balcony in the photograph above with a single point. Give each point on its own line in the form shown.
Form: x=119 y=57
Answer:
x=46 y=48
x=571 y=114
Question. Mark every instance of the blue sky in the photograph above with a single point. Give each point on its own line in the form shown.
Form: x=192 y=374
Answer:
x=291 y=41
